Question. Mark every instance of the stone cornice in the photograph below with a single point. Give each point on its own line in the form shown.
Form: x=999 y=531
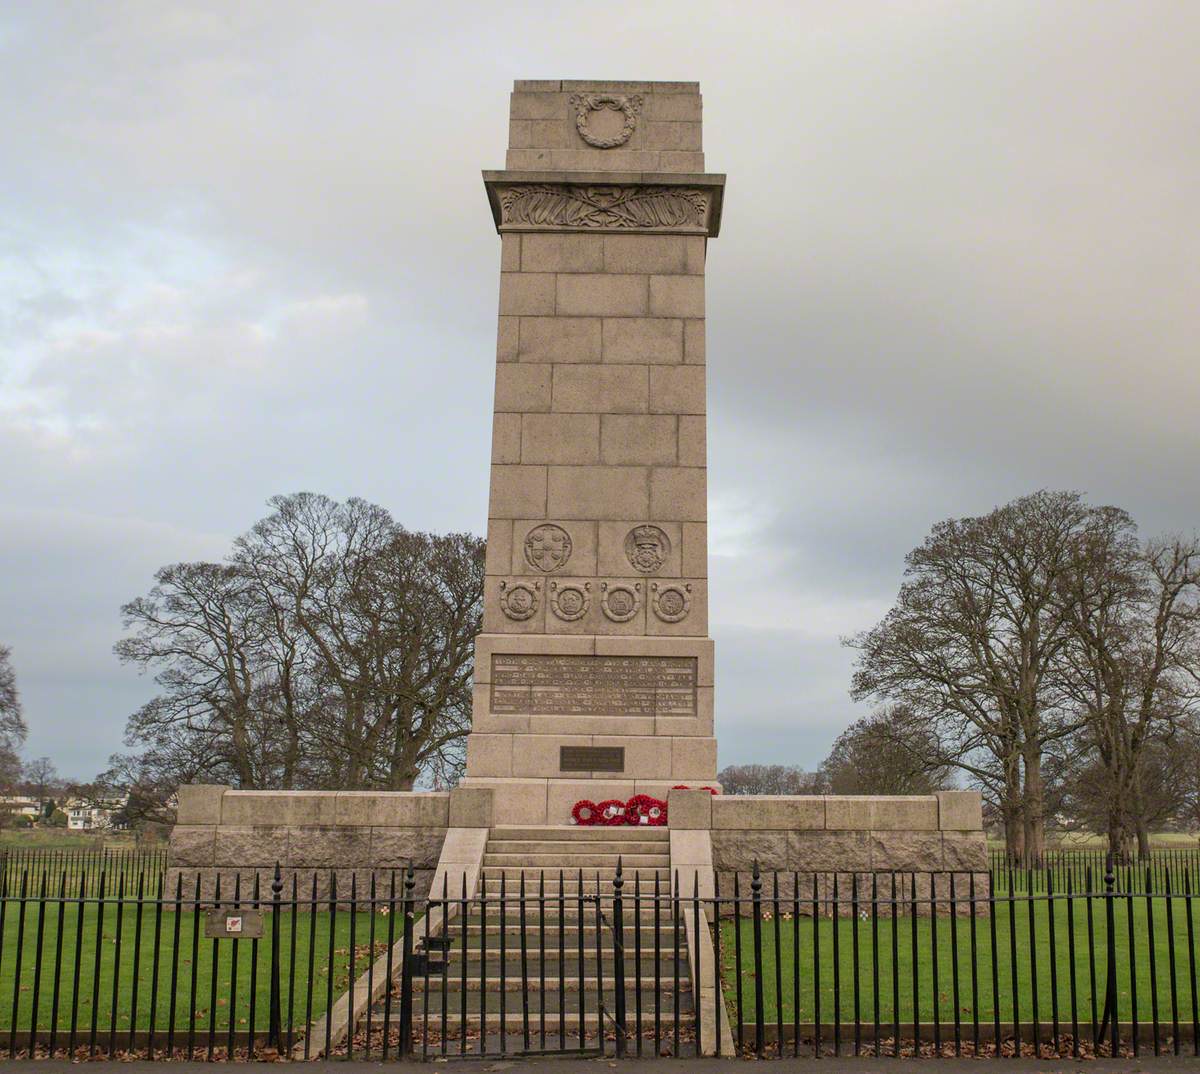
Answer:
x=621 y=202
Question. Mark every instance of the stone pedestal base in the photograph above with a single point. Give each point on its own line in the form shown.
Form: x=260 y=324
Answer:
x=558 y=718
x=519 y=802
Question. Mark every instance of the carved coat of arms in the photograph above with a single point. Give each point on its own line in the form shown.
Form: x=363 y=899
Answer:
x=547 y=547
x=647 y=548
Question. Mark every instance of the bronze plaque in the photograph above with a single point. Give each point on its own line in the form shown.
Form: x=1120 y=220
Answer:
x=591 y=758
x=233 y=924
x=546 y=685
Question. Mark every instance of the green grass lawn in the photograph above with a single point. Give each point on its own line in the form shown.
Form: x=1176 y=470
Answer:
x=97 y=939
x=1030 y=952
x=48 y=838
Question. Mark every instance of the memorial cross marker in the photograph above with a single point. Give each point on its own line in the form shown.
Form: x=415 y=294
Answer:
x=593 y=674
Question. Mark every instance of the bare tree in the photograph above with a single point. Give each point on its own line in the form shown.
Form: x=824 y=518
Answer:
x=199 y=627
x=12 y=722
x=40 y=778
x=769 y=779
x=1132 y=669
x=391 y=617
x=974 y=641
x=889 y=752
x=333 y=649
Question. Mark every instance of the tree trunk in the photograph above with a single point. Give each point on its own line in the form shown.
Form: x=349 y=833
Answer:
x=1014 y=832
x=1143 y=838
x=1034 y=806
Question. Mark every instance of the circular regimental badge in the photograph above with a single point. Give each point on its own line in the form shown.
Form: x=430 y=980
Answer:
x=570 y=600
x=647 y=548
x=671 y=602
x=620 y=601
x=519 y=600
x=547 y=547
x=587 y=103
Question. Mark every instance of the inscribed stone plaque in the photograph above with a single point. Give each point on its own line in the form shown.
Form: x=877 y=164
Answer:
x=591 y=758
x=544 y=685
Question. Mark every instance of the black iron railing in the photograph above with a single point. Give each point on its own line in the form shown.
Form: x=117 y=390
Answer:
x=364 y=966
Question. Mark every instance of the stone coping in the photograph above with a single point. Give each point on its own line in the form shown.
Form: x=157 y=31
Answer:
x=214 y=804
x=943 y=811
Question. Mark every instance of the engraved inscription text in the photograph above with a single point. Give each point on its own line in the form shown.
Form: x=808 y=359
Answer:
x=544 y=685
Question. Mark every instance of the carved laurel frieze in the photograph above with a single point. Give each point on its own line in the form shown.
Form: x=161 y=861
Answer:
x=605 y=208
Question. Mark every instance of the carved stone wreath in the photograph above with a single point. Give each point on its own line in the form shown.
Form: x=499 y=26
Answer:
x=569 y=600
x=671 y=602
x=619 y=208
x=620 y=601
x=586 y=103
x=519 y=600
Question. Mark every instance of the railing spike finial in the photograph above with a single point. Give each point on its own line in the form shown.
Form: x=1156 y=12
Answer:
x=755 y=878
x=619 y=877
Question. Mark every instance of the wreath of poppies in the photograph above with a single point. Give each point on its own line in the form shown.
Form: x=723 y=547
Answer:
x=640 y=810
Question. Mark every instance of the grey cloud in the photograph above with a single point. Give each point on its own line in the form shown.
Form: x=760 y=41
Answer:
x=246 y=251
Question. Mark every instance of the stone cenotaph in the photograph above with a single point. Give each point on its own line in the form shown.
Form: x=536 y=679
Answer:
x=594 y=671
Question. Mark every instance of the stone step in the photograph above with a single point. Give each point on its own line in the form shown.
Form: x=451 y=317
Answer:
x=539 y=1002
x=568 y=911
x=548 y=864
x=568 y=849
x=578 y=833
x=514 y=1022
x=534 y=984
x=475 y=954
x=590 y=876
x=478 y=959
x=570 y=929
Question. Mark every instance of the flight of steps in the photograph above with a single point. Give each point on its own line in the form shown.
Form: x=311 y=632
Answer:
x=548 y=985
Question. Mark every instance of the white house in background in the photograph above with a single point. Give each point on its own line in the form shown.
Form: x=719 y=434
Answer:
x=20 y=805
x=88 y=816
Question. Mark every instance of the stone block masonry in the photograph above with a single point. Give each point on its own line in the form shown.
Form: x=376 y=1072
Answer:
x=597 y=524
x=358 y=834
x=347 y=834
x=932 y=835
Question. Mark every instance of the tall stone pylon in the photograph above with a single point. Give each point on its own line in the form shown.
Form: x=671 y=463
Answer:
x=594 y=671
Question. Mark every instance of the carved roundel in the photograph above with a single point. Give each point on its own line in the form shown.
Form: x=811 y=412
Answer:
x=647 y=548
x=547 y=547
x=570 y=600
x=620 y=601
x=671 y=602
x=519 y=600
x=587 y=103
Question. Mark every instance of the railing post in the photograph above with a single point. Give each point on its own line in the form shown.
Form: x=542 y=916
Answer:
x=756 y=901
x=406 y=985
x=1109 y=1018
x=274 y=1032
x=619 y=957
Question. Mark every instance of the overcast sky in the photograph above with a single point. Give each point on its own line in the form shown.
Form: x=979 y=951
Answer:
x=245 y=250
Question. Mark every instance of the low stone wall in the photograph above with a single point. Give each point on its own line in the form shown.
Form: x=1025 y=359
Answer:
x=932 y=836
x=352 y=835
x=349 y=835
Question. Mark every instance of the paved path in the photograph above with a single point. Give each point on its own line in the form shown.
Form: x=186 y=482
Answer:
x=664 y=1066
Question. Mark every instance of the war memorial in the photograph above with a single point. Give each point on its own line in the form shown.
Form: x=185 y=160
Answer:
x=593 y=720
